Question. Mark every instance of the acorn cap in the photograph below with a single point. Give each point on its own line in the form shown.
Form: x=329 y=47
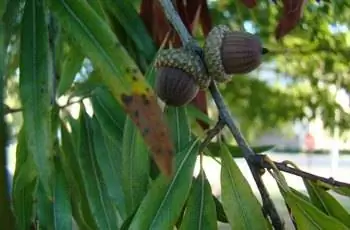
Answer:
x=212 y=53
x=185 y=60
x=231 y=52
x=175 y=87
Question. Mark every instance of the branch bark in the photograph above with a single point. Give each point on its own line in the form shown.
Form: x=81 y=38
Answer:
x=187 y=40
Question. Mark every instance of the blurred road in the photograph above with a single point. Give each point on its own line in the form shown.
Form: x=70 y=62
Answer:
x=316 y=164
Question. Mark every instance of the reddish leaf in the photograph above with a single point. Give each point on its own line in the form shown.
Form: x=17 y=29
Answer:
x=292 y=12
x=249 y=3
x=154 y=133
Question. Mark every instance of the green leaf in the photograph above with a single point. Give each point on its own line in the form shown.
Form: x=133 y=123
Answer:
x=71 y=65
x=97 y=5
x=24 y=184
x=108 y=154
x=327 y=203
x=164 y=201
x=34 y=89
x=315 y=198
x=102 y=207
x=9 y=18
x=220 y=212
x=301 y=195
x=242 y=208
x=109 y=113
x=179 y=126
x=119 y=73
x=235 y=151
x=129 y=18
x=197 y=114
x=135 y=167
x=62 y=204
x=342 y=191
x=200 y=212
x=80 y=208
x=308 y=216
x=44 y=208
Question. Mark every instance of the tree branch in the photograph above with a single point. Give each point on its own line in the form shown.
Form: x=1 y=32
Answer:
x=283 y=166
x=186 y=38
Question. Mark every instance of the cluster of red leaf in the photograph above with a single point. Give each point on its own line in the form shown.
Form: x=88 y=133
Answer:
x=196 y=11
x=292 y=12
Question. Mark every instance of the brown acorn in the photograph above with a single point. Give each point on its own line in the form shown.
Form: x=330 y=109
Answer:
x=180 y=76
x=229 y=52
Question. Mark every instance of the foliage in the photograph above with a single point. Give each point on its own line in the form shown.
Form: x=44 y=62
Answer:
x=301 y=68
x=102 y=159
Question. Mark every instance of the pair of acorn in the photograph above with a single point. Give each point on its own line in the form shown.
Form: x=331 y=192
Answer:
x=181 y=73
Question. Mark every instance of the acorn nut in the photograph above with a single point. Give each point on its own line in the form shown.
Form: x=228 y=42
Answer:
x=229 y=52
x=180 y=76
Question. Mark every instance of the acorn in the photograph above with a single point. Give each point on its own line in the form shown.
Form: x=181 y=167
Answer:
x=229 y=52
x=180 y=76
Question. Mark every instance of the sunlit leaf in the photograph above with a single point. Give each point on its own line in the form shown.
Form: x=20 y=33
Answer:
x=235 y=151
x=327 y=203
x=34 y=89
x=242 y=208
x=200 y=211
x=154 y=212
x=92 y=34
x=342 y=191
x=308 y=216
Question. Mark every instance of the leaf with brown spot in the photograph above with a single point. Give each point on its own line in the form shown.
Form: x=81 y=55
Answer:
x=94 y=37
x=145 y=116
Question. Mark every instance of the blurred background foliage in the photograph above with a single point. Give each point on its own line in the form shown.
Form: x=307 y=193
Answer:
x=298 y=79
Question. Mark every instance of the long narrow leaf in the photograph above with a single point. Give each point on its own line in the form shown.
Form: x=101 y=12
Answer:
x=200 y=212
x=242 y=208
x=109 y=113
x=108 y=154
x=44 y=207
x=135 y=167
x=120 y=74
x=80 y=208
x=179 y=126
x=34 y=89
x=24 y=184
x=163 y=203
x=70 y=67
x=327 y=203
x=308 y=216
x=133 y=25
x=102 y=208
x=62 y=205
